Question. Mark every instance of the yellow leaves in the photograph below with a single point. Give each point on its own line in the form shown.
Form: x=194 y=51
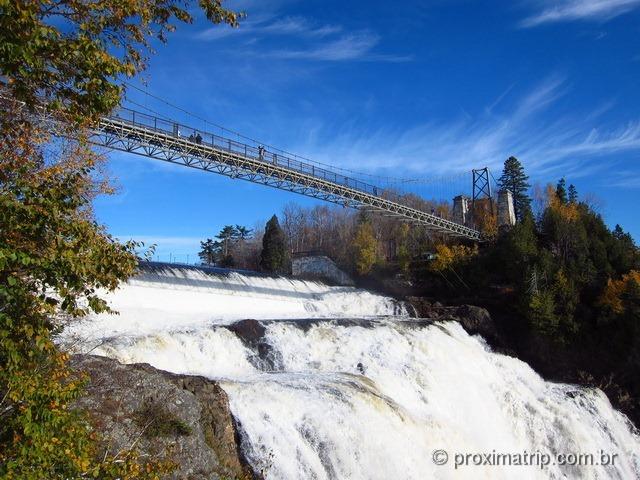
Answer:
x=488 y=225
x=448 y=256
x=365 y=248
x=444 y=258
x=567 y=211
x=612 y=295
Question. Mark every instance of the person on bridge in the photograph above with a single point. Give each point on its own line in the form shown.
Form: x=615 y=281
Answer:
x=261 y=152
x=198 y=138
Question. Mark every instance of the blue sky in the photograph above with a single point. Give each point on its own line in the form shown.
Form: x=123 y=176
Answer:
x=407 y=89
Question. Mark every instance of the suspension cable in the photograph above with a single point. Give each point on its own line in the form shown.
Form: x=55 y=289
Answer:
x=397 y=182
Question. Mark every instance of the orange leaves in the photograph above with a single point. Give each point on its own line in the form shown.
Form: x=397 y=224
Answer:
x=568 y=211
x=613 y=292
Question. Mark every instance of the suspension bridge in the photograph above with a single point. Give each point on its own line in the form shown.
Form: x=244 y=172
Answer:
x=160 y=138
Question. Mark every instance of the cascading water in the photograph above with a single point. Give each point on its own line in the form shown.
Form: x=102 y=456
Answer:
x=343 y=384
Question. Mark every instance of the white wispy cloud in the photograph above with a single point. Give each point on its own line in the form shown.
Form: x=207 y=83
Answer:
x=550 y=11
x=324 y=42
x=356 y=46
x=569 y=144
x=299 y=26
x=267 y=25
x=625 y=179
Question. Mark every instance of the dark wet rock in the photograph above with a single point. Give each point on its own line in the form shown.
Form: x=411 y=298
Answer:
x=475 y=320
x=197 y=430
x=251 y=332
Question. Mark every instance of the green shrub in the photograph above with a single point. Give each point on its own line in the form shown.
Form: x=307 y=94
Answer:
x=157 y=421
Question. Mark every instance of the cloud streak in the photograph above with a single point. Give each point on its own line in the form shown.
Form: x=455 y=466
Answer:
x=357 y=46
x=569 y=145
x=571 y=10
x=263 y=25
x=326 y=43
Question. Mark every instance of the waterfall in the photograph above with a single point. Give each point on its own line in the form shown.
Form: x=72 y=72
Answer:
x=343 y=384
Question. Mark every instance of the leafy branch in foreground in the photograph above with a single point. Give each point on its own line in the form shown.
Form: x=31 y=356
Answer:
x=70 y=53
x=64 y=57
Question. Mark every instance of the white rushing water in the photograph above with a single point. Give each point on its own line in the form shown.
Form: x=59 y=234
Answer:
x=372 y=397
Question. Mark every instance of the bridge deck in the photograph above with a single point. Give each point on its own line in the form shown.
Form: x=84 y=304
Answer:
x=158 y=138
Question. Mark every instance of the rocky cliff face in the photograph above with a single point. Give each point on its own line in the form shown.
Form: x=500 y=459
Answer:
x=184 y=418
x=475 y=320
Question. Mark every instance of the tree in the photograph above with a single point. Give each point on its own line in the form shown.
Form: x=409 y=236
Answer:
x=65 y=57
x=68 y=55
x=561 y=191
x=229 y=249
x=573 y=194
x=243 y=233
x=515 y=180
x=295 y=226
x=227 y=236
x=449 y=256
x=365 y=248
x=274 y=248
x=54 y=259
x=208 y=251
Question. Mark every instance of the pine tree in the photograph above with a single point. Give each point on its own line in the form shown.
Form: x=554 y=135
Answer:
x=561 y=191
x=207 y=251
x=515 y=180
x=243 y=233
x=573 y=194
x=227 y=236
x=274 y=248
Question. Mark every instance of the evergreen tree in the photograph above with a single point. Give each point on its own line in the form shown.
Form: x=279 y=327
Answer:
x=227 y=262
x=515 y=180
x=274 y=248
x=243 y=233
x=208 y=251
x=561 y=191
x=227 y=236
x=573 y=194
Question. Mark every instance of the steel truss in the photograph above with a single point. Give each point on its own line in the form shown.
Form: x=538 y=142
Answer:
x=156 y=138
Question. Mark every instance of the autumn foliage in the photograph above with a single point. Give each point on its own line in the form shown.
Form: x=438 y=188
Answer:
x=60 y=66
x=613 y=295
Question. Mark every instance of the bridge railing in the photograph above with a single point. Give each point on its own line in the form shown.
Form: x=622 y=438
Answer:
x=178 y=130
